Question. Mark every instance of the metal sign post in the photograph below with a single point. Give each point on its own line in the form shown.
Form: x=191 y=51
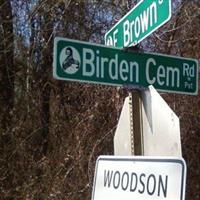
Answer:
x=128 y=139
x=137 y=144
x=136 y=123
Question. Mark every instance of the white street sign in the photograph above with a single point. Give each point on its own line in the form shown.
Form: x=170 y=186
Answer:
x=160 y=125
x=122 y=138
x=141 y=178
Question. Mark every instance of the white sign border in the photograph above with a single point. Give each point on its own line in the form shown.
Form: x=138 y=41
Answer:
x=57 y=39
x=134 y=44
x=168 y=159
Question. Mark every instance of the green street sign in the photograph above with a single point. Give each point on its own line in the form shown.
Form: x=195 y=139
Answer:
x=138 y=23
x=91 y=63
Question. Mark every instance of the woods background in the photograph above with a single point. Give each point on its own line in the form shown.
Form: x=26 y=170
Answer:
x=51 y=132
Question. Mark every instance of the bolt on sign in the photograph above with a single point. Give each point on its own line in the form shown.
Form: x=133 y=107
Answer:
x=144 y=178
x=91 y=63
x=146 y=17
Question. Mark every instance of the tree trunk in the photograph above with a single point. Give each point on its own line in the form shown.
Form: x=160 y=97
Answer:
x=46 y=69
x=7 y=71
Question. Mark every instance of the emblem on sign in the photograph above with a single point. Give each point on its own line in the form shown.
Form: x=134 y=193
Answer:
x=70 y=60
